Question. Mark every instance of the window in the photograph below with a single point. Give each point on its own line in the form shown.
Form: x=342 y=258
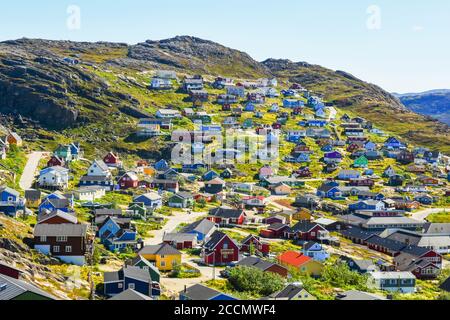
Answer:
x=131 y=286
x=61 y=239
x=120 y=285
x=43 y=238
x=56 y=249
x=68 y=249
x=163 y=264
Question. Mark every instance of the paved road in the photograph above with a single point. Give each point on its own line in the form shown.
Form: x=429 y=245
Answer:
x=29 y=172
x=172 y=223
x=422 y=215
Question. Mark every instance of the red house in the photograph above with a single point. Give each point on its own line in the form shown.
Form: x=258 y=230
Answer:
x=275 y=231
x=257 y=244
x=55 y=161
x=225 y=216
x=307 y=231
x=112 y=160
x=220 y=250
x=129 y=181
x=10 y=271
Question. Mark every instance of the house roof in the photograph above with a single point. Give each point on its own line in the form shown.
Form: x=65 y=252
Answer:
x=256 y=263
x=215 y=239
x=304 y=226
x=10 y=191
x=55 y=230
x=130 y=295
x=386 y=243
x=216 y=181
x=14 y=288
x=137 y=273
x=58 y=213
x=95 y=178
x=294 y=258
x=309 y=245
x=354 y=295
x=32 y=194
x=357 y=233
x=437 y=228
x=394 y=275
x=199 y=292
x=202 y=226
x=153 y=196
x=101 y=164
x=226 y=212
x=179 y=237
x=160 y=249
x=289 y=292
x=445 y=285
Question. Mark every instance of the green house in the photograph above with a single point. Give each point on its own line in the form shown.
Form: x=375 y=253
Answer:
x=361 y=162
x=63 y=152
x=138 y=209
x=181 y=200
x=143 y=263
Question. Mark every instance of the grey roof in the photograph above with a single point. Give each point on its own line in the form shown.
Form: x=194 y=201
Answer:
x=199 y=292
x=160 y=249
x=95 y=178
x=289 y=292
x=437 y=228
x=137 y=273
x=354 y=295
x=55 y=230
x=32 y=194
x=113 y=276
x=130 y=295
x=102 y=165
x=226 y=212
x=202 y=226
x=179 y=237
x=58 y=213
x=256 y=263
x=14 y=288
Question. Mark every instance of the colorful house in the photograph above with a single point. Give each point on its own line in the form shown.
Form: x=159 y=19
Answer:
x=361 y=162
x=220 y=250
x=315 y=250
x=164 y=256
x=304 y=264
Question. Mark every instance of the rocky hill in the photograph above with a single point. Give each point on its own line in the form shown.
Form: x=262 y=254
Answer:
x=434 y=103
x=50 y=99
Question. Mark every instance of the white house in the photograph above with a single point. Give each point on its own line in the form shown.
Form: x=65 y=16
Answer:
x=168 y=114
x=402 y=282
x=238 y=91
x=54 y=177
x=99 y=169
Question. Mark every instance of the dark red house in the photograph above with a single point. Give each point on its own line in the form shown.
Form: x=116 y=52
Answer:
x=275 y=231
x=55 y=161
x=112 y=159
x=10 y=271
x=258 y=245
x=226 y=216
x=129 y=181
x=220 y=250
x=307 y=231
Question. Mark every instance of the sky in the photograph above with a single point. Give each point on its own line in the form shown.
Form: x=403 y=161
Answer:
x=402 y=45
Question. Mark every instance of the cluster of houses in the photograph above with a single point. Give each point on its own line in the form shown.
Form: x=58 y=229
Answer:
x=360 y=198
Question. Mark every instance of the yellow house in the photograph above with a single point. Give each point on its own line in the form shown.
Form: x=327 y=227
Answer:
x=304 y=264
x=164 y=256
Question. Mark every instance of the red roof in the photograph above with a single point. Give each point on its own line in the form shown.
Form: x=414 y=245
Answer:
x=293 y=258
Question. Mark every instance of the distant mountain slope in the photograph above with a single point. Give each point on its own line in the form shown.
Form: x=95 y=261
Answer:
x=42 y=93
x=434 y=103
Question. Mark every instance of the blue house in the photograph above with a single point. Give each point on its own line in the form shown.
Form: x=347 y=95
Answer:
x=199 y=292
x=292 y=103
x=161 y=165
x=329 y=190
x=371 y=196
x=130 y=277
x=393 y=143
x=367 y=205
x=193 y=167
x=370 y=146
x=54 y=202
x=315 y=251
x=75 y=149
x=211 y=174
x=115 y=235
x=10 y=201
x=316 y=123
x=249 y=107
x=151 y=200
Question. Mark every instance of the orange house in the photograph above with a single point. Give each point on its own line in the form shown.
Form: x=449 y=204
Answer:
x=14 y=138
x=304 y=264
